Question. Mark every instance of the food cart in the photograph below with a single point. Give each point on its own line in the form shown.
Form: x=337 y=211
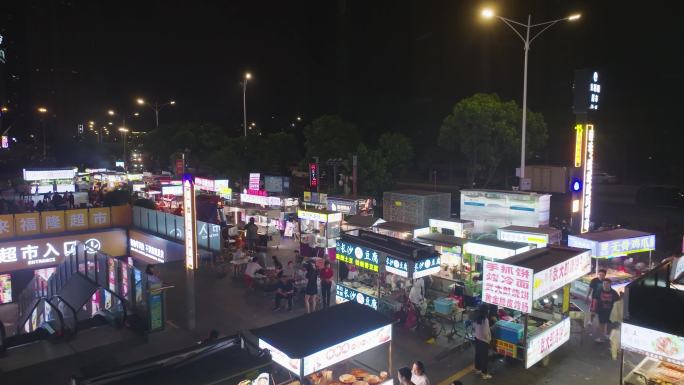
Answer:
x=453 y=269
x=403 y=262
x=608 y=246
x=652 y=333
x=535 y=287
x=339 y=344
x=538 y=236
x=319 y=229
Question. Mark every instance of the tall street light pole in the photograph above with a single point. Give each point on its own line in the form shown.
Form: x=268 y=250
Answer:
x=156 y=107
x=43 y=111
x=488 y=14
x=124 y=131
x=244 y=101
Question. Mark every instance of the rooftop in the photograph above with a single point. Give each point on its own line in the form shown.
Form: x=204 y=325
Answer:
x=542 y=258
x=611 y=235
x=417 y=192
x=536 y=230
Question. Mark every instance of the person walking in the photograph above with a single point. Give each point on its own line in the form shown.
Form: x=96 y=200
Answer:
x=606 y=300
x=594 y=291
x=418 y=376
x=251 y=232
x=483 y=337
x=326 y=283
x=311 y=287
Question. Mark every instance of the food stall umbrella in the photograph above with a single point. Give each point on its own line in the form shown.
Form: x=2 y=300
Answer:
x=539 y=236
x=531 y=276
x=301 y=345
x=652 y=327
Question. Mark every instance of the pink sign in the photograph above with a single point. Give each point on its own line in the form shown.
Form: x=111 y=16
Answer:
x=204 y=184
x=260 y=193
x=507 y=286
x=254 y=181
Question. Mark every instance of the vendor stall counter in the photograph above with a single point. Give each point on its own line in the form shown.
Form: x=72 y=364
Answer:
x=534 y=287
x=322 y=227
x=339 y=344
x=453 y=267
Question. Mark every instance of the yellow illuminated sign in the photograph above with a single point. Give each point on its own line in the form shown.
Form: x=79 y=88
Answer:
x=575 y=205
x=578 y=145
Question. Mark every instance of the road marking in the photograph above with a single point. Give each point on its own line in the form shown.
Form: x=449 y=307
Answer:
x=458 y=375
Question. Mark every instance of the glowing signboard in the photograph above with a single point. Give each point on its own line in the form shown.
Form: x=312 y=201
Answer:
x=579 y=129
x=254 y=181
x=615 y=247
x=345 y=293
x=204 y=184
x=652 y=343
x=396 y=266
x=356 y=255
x=588 y=178
x=347 y=349
x=542 y=344
x=291 y=364
x=147 y=250
x=172 y=190
x=427 y=266
x=5 y=141
x=51 y=174
x=313 y=174
x=557 y=276
x=190 y=223
x=507 y=286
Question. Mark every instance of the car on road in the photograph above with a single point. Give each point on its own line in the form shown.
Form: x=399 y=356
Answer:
x=660 y=196
x=604 y=177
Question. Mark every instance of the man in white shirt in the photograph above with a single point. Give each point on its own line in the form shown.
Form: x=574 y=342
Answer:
x=254 y=269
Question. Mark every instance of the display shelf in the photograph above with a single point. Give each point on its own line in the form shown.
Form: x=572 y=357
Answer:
x=652 y=371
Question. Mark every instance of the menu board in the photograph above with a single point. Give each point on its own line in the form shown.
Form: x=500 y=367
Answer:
x=427 y=266
x=5 y=288
x=507 y=286
x=344 y=294
x=653 y=343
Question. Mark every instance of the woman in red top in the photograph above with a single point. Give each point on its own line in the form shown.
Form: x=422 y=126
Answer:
x=326 y=283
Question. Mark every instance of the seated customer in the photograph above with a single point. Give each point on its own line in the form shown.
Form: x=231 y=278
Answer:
x=284 y=289
x=254 y=269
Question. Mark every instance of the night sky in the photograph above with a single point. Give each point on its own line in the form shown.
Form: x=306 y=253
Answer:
x=384 y=65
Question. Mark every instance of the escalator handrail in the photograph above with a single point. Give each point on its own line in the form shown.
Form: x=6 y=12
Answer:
x=70 y=307
x=20 y=327
x=123 y=303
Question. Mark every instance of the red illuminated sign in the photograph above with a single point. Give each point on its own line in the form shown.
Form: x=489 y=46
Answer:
x=313 y=174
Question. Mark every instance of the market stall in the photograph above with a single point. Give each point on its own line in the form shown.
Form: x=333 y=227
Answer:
x=319 y=229
x=538 y=236
x=351 y=223
x=478 y=251
x=453 y=268
x=461 y=228
x=395 y=229
x=350 y=205
x=51 y=180
x=400 y=264
x=607 y=248
x=534 y=289
x=340 y=344
x=652 y=333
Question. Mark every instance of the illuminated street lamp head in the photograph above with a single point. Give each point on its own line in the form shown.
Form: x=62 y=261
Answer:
x=110 y=123
x=123 y=129
x=141 y=101
x=4 y=109
x=574 y=17
x=42 y=110
x=136 y=114
x=91 y=123
x=487 y=13
x=110 y=112
x=248 y=76
x=173 y=102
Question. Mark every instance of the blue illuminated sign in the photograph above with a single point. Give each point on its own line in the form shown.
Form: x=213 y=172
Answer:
x=358 y=256
x=396 y=266
x=344 y=294
x=427 y=266
x=614 y=248
x=576 y=185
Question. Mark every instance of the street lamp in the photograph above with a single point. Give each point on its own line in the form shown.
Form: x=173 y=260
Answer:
x=489 y=14
x=248 y=76
x=156 y=107
x=124 y=131
x=43 y=111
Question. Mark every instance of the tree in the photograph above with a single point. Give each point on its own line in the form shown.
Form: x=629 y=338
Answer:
x=397 y=150
x=329 y=137
x=484 y=131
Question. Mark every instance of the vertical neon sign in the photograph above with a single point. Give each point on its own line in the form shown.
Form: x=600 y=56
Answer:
x=588 y=178
x=190 y=222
